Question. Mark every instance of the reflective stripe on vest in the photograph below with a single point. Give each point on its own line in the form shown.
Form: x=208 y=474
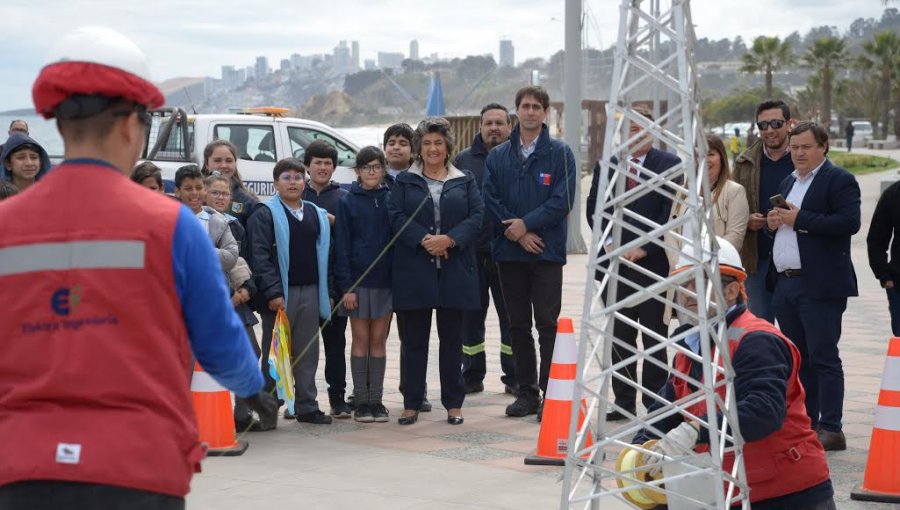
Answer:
x=106 y=254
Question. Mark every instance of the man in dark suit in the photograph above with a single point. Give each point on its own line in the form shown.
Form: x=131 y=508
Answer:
x=644 y=160
x=813 y=273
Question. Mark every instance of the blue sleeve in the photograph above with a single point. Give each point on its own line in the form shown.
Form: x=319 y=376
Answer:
x=663 y=424
x=762 y=366
x=215 y=331
x=496 y=210
x=343 y=246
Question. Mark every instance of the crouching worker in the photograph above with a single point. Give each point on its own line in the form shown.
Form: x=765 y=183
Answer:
x=785 y=464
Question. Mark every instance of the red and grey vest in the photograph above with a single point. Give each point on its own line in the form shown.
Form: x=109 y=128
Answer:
x=791 y=459
x=95 y=371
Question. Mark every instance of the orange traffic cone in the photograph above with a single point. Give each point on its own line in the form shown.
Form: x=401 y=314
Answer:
x=882 y=479
x=215 y=419
x=553 y=441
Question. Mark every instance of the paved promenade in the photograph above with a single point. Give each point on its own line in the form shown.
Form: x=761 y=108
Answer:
x=479 y=465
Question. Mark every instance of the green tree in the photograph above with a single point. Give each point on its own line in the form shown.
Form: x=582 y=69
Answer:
x=826 y=55
x=767 y=55
x=881 y=56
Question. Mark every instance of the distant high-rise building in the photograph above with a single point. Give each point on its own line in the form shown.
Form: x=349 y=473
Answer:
x=285 y=65
x=262 y=67
x=229 y=77
x=240 y=76
x=389 y=60
x=370 y=64
x=250 y=72
x=354 y=54
x=414 y=50
x=507 y=53
x=342 y=58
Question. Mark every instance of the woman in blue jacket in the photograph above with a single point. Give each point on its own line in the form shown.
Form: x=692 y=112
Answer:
x=436 y=211
x=362 y=266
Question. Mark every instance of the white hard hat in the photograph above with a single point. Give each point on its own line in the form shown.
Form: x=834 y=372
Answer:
x=728 y=257
x=95 y=61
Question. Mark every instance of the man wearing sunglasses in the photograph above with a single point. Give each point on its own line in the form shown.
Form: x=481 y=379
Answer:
x=760 y=170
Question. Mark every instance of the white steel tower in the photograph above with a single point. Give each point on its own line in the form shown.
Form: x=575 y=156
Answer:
x=653 y=59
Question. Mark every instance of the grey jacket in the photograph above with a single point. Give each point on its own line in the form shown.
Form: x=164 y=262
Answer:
x=220 y=234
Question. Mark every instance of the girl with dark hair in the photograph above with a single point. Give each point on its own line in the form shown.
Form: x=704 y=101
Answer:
x=221 y=156
x=362 y=233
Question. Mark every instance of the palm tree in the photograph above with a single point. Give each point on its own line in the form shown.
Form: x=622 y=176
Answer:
x=881 y=55
x=767 y=55
x=826 y=55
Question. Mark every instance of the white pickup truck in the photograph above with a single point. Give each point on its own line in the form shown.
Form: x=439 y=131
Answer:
x=261 y=135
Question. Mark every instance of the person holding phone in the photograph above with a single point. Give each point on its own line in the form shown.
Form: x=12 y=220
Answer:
x=812 y=272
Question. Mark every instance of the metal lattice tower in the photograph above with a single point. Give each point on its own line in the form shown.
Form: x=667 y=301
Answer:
x=653 y=58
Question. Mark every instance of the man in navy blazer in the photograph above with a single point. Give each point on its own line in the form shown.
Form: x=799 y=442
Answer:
x=650 y=256
x=812 y=271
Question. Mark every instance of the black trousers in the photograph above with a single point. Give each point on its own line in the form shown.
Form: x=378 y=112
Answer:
x=54 y=495
x=474 y=358
x=335 y=341
x=648 y=314
x=417 y=330
x=532 y=287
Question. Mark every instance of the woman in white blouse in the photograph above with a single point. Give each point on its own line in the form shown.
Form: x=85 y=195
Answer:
x=730 y=208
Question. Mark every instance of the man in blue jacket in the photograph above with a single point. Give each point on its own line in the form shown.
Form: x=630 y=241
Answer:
x=529 y=190
x=495 y=127
x=813 y=273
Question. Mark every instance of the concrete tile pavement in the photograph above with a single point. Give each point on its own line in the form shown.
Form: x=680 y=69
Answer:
x=480 y=464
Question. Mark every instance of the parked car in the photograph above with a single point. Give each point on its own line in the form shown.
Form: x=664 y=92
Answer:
x=261 y=135
x=862 y=131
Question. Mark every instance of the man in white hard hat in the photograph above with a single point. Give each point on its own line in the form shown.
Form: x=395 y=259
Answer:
x=784 y=461
x=109 y=292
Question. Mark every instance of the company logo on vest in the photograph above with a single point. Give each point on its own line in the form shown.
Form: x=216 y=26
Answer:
x=64 y=303
x=65 y=300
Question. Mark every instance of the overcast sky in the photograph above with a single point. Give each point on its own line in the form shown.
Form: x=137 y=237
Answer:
x=196 y=37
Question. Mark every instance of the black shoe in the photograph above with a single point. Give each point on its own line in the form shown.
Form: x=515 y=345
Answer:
x=316 y=417
x=339 y=408
x=509 y=389
x=474 y=387
x=380 y=413
x=425 y=406
x=350 y=402
x=363 y=414
x=408 y=420
x=617 y=416
x=248 y=425
x=525 y=404
x=289 y=415
x=455 y=420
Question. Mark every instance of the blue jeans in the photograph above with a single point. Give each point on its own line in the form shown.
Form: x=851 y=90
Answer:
x=814 y=325
x=894 y=306
x=760 y=299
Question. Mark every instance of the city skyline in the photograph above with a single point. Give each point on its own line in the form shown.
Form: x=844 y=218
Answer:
x=210 y=34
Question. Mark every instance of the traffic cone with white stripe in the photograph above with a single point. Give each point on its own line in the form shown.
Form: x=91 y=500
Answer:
x=215 y=418
x=882 y=478
x=553 y=441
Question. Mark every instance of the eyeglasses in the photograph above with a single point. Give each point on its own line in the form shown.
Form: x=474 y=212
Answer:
x=776 y=124
x=291 y=178
x=219 y=194
x=372 y=169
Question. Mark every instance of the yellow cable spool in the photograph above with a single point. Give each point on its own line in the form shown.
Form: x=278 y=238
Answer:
x=630 y=461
